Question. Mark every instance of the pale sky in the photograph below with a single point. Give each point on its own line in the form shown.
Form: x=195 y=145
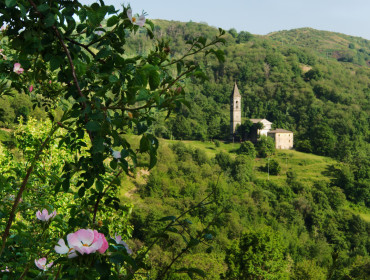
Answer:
x=351 y=17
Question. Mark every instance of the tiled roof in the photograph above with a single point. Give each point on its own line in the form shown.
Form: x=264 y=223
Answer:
x=280 y=130
x=260 y=120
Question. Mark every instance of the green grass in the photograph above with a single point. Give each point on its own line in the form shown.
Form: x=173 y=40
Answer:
x=308 y=167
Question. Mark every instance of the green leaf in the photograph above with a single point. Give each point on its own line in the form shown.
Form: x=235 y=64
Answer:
x=103 y=53
x=81 y=27
x=99 y=186
x=112 y=21
x=93 y=126
x=49 y=20
x=10 y=3
x=113 y=164
x=43 y=8
x=144 y=144
x=167 y=218
x=81 y=191
x=154 y=80
x=113 y=78
x=55 y=62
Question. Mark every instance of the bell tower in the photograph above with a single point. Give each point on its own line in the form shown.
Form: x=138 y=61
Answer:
x=235 y=110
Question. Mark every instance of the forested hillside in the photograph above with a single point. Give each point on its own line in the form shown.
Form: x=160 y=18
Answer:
x=323 y=100
x=296 y=225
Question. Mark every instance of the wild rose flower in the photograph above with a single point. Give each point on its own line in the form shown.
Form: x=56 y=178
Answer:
x=140 y=21
x=84 y=241
x=44 y=215
x=41 y=264
x=119 y=241
x=17 y=68
x=62 y=248
x=104 y=247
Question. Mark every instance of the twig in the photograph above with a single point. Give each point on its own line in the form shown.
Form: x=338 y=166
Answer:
x=100 y=196
x=23 y=187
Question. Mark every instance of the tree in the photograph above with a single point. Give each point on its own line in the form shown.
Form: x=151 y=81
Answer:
x=243 y=37
x=265 y=146
x=242 y=169
x=104 y=92
x=273 y=167
x=259 y=254
x=7 y=114
x=247 y=148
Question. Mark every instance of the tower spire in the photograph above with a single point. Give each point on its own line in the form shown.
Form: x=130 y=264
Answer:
x=235 y=109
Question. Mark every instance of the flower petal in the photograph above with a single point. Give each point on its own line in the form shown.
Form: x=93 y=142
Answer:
x=61 y=248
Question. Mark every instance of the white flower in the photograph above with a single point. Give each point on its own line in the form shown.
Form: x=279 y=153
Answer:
x=140 y=21
x=41 y=263
x=119 y=241
x=44 y=215
x=116 y=154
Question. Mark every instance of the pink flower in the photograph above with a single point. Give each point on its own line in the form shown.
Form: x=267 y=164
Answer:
x=140 y=21
x=84 y=241
x=49 y=82
x=45 y=216
x=41 y=263
x=3 y=28
x=62 y=248
x=5 y=270
x=119 y=241
x=105 y=245
x=17 y=68
x=31 y=88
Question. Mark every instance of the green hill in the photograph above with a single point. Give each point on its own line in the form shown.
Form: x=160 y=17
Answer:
x=294 y=84
x=302 y=207
x=327 y=44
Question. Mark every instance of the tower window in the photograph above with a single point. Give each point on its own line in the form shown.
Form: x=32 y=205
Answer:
x=236 y=104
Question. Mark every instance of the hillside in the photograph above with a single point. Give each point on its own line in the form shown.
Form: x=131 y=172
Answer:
x=325 y=102
x=301 y=208
x=327 y=44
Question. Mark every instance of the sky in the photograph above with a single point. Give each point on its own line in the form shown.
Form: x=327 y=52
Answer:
x=351 y=17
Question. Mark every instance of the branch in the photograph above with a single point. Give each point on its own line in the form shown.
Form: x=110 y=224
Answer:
x=81 y=45
x=23 y=187
x=100 y=196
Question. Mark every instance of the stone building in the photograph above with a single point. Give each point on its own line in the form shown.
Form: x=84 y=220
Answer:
x=283 y=138
x=235 y=110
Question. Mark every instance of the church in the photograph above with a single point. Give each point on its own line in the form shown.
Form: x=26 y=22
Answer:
x=283 y=138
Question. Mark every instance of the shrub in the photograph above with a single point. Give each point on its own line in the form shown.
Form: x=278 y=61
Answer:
x=247 y=148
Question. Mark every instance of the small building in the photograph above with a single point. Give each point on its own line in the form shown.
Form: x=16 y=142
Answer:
x=283 y=138
x=266 y=126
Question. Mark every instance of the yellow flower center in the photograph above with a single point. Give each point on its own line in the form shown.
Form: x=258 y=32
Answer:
x=85 y=245
x=133 y=19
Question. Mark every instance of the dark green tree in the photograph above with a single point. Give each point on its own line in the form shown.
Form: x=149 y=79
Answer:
x=259 y=254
